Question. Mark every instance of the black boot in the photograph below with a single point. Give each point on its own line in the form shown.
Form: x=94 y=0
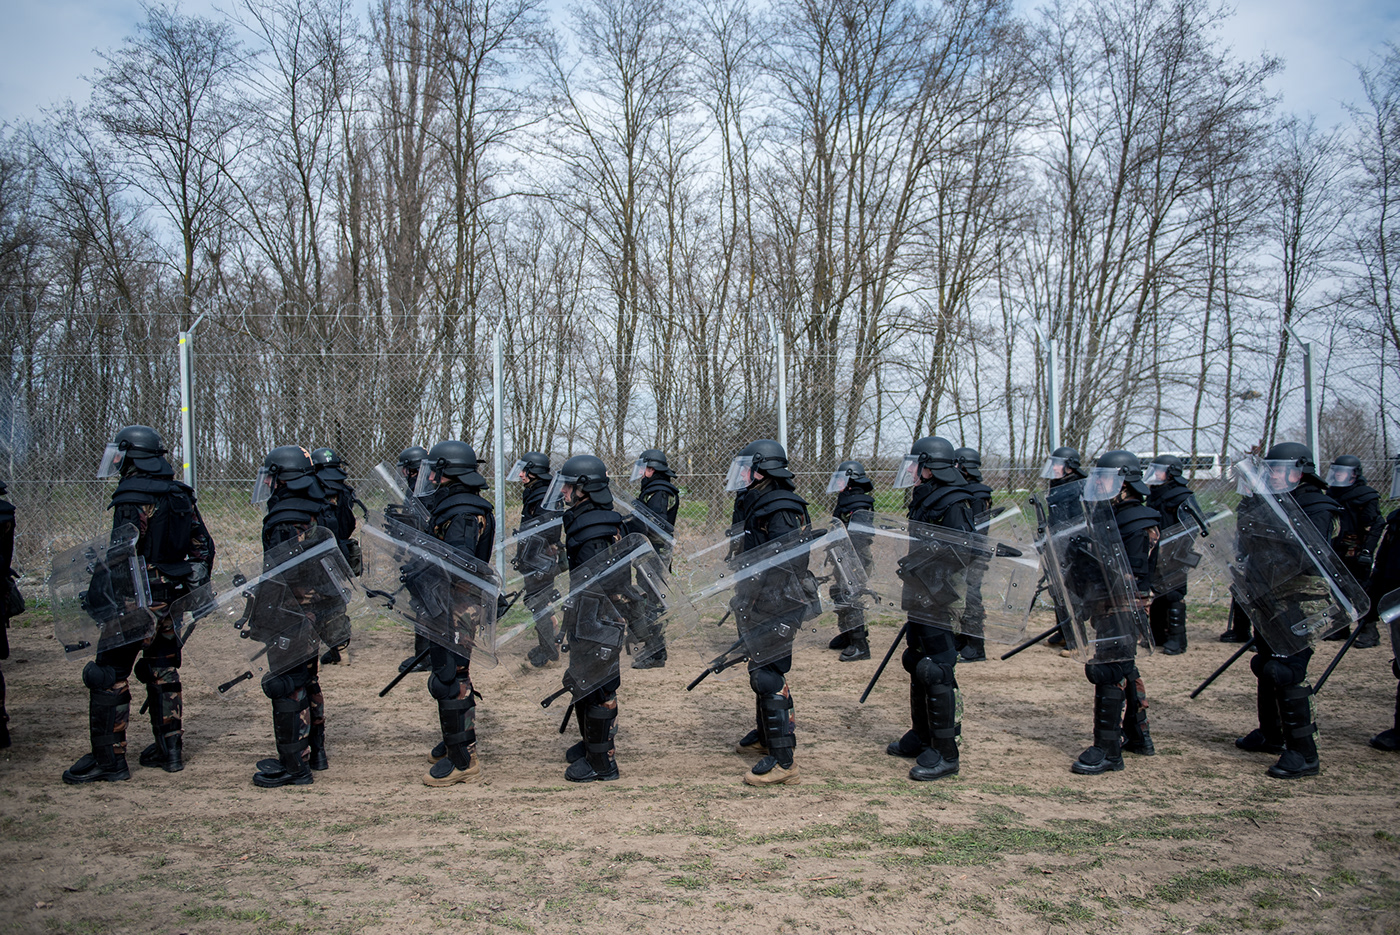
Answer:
x=1175 y=619
x=858 y=647
x=168 y=750
x=420 y=645
x=107 y=714
x=317 y=740
x=1268 y=736
x=1106 y=755
x=1339 y=636
x=548 y=649
x=754 y=742
x=1295 y=707
x=289 y=715
x=599 y=763
x=839 y=641
x=941 y=757
x=778 y=767
x=1136 y=736
x=1238 y=630
x=1369 y=637
x=915 y=740
x=1389 y=740
x=1157 y=618
x=974 y=649
x=457 y=717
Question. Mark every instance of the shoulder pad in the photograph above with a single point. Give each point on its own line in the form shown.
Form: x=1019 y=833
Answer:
x=850 y=501
x=1313 y=501
x=292 y=510
x=459 y=502
x=1358 y=495
x=771 y=501
x=658 y=483
x=1135 y=517
x=592 y=524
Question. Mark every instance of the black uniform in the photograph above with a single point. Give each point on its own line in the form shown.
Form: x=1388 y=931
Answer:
x=1385 y=577
x=854 y=638
x=1175 y=502
x=973 y=648
x=7 y=555
x=540 y=593
x=1120 y=698
x=660 y=497
x=298 y=705
x=589 y=529
x=1358 y=531
x=769 y=510
x=1061 y=504
x=1284 y=696
x=931 y=654
x=462 y=519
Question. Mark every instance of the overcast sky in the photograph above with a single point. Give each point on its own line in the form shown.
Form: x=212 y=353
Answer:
x=47 y=47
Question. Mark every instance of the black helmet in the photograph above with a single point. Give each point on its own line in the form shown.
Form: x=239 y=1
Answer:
x=938 y=455
x=969 y=461
x=412 y=456
x=328 y=464
x=287 y=466
x=586 y=473
x=770 y=458
x=849 y=474
x=1345 y=472
x=1163 y=470
x=1062 y=466
x=454 y=459
x=653 y=458
x=1111 y=472
x=534 y=463
x=136 y=448
x=1298 y=453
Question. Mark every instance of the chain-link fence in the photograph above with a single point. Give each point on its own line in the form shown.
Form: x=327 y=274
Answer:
x=370 y=382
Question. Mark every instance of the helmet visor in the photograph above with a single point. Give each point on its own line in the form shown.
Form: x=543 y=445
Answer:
x=1104 y=483
x=521 y=466
x=838 y=482
x=1395 y=482
x=428 y=479
x=638 y=469
x=559 y=497
x=1341 y=475
x=262 y=487
x=1053 y=469
x=1282 y=476
x=111 y=463
x=740 y=473
x=1156 y=474
x=908 y=475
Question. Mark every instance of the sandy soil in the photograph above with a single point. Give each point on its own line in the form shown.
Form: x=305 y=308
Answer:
x=1196 y=839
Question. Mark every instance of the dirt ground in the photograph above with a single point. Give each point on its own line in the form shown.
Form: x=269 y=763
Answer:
x=1196 y=839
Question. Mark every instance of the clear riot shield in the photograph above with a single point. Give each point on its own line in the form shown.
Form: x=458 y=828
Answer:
x=958 y=581
x=446 y=597
x=617 y=591
x=270 y=616
x=1389 y=612
x=1088 y=570
x=386 y=491
x=1283 y=572
x=100 y=595
x=1180 y=550
x=660 y=533
x=761 y=603
x=536 y=557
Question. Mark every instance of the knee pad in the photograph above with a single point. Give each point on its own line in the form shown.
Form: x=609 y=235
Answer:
x=1278 y=673
x=765 y=681
x=284 y=685
x=99 y=678
x=444 y=690
x=910 y=659
x=931 y=673
x=1107 y=673
x=142 y=671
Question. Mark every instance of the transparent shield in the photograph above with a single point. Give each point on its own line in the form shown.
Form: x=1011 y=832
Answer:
x=111 y=463
x=611 y=603
x=639 y=468
x=1103 y=484
x=270 y=616
x=1395 y=482
x=660 y=533
x=838 y=482
x=1088 y=570
x=446 y=597
x=100 y=596
x=1389 y=612
x=908 y=473
x=1178 y=554
x=1065 y=502
x=262 y=487
x=386 y=491
x=427 y=481
x=962 y=582
x=1000 y=518
x=536 y=557
x=759 y=604
x=740 y=473
x=1283 y=572
x=1341 y=475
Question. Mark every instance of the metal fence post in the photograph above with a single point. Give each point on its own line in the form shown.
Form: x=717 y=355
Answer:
x=498 y=380
x=1309 y=397
x=1052 y=389
x=781 y=350
x=187 y=405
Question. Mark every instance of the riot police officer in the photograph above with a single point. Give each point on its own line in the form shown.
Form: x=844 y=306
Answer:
x=973 y=648
x=1063 y=470
x=1169 y=495
x=339 y=518
x=1358 y=531
x=296 y=502
x=532 y=472
x=179 y=553
x=1284 y=695
x=7 y=554
x=853 y=494
x=661 y=500
x=591 y=526
x=939 y=498
x=770 y=508
x=465 y=521
x=1385 y=577
x=1120 y=699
